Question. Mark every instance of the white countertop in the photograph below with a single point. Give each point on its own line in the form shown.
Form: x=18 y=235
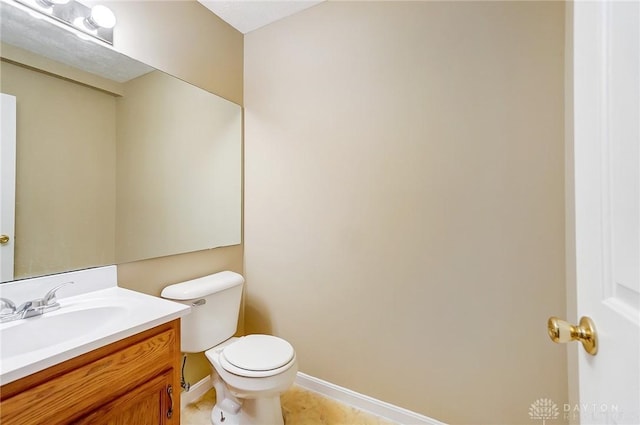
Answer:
x=83 y=323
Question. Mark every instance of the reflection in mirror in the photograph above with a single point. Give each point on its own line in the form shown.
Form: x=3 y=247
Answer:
x=111 y=171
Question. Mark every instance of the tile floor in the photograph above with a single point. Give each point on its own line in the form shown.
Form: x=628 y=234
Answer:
x=300 y=407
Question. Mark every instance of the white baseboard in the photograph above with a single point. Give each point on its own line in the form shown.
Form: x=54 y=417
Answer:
x=362 y=402
x=343 y=395
x=196 y=391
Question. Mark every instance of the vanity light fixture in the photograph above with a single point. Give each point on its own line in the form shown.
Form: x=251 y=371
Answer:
x=97 y=21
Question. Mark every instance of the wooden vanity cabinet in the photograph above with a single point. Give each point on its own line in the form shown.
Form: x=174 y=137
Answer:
x=134 y=381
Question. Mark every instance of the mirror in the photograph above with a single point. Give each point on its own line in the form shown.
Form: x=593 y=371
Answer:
x=115 y=161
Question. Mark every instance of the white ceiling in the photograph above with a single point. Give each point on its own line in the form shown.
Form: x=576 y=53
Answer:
x=248 y=15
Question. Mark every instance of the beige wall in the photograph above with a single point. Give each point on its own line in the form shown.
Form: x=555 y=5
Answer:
x=65 y=165
x=404 y=206
x=184 y=40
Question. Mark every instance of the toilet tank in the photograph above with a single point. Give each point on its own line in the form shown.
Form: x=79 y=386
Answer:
x=215 y=306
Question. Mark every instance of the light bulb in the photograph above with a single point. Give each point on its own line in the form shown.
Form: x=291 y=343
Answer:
x=101 y=17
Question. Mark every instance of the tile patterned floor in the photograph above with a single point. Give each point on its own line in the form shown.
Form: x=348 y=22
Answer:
x=300 y=407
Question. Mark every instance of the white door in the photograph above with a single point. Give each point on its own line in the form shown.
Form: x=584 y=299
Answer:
x=7 y=184
x=606 y=157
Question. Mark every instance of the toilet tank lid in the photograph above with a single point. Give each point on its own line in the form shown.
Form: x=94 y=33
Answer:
x=202 y=286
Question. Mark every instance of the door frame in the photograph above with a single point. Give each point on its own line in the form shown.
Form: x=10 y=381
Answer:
x=7 y=184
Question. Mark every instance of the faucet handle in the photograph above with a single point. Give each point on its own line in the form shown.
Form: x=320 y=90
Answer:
x=7 y=303
x=50 y=297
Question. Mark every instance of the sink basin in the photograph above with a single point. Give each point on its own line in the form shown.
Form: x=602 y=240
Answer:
x=82 y=323
x=60 y=326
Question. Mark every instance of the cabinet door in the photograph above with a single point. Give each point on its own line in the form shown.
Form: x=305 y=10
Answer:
x=149 y=404
x=76 y=388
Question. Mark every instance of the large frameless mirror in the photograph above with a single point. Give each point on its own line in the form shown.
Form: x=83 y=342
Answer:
x=115 y=161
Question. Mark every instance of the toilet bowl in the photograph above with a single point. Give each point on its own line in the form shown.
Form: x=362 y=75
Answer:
x=249 y=372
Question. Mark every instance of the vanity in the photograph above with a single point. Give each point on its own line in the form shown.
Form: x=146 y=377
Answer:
x=106 y=356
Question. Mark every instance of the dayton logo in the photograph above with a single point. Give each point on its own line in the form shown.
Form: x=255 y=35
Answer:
x=543 y=409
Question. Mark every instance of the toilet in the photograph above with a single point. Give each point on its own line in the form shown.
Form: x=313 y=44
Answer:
x=250 y=372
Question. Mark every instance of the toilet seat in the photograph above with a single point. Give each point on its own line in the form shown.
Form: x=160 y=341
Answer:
x=257 y=356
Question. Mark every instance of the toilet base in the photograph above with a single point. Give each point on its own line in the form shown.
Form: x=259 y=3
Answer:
x=259 y=411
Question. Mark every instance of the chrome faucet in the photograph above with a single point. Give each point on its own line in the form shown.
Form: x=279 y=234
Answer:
x=26 y=309
x=31 y=308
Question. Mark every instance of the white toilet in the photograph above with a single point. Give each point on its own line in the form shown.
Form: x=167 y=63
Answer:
x=250 y=372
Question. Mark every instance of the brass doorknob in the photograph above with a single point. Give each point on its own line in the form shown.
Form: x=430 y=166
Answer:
x=4 y=239
x=561 y=331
